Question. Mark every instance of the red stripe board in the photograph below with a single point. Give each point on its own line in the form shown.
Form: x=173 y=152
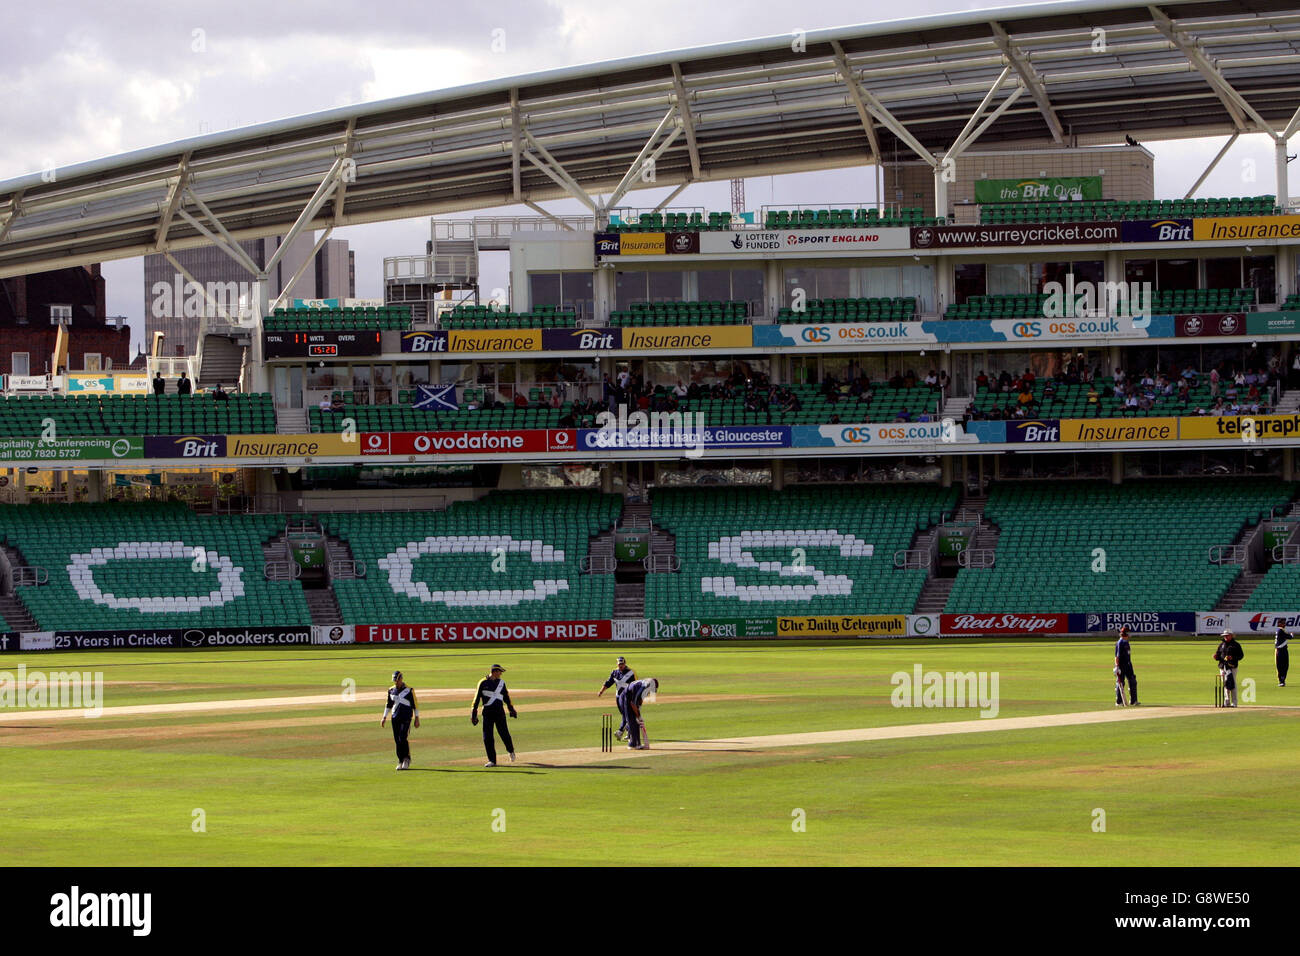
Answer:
x=953 y=624
x=507 y=631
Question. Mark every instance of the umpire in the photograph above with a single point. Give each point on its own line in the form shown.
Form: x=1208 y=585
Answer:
x=621 y=675
x=403 y=708
x=1229 y=654
x=1124 y=671
x=1281 y=654
x=495 y=698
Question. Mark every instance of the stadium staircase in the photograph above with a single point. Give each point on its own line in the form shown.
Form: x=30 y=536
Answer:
x=290 y=421
x=15 y=614
x=222 y=361
x=983 y=540
x=279 y=565
x=1289 y=403
x=955 y=408
x=17 y=573
x=1240 y=592
x=323 y=605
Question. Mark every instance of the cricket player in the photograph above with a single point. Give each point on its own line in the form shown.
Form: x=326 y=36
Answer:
x=496 y=701
x=1281 y=655
x=402 y=707
x=620 y=676
x=1124 y=671
x=638 y=692
x=1229 y=654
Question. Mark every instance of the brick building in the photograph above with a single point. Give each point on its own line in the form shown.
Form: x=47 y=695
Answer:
x=31 y=308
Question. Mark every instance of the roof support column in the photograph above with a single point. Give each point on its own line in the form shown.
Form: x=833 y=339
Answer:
x=1210 y=168
x=1279 y=163
x=555 y=172
x=302 y=270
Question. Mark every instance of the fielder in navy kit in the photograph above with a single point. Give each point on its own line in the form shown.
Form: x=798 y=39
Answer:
x=402 y=707
x=1124 y=671
x=1282 y=654
x=638 y=692
x=496 y=701
x=621 y=676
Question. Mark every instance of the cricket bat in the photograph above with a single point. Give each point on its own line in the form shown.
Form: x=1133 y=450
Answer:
x=1120 y=694
x=645 y=738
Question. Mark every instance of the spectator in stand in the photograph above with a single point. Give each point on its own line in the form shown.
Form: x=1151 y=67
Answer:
x=679 y=390
x=932 y=379
x=943 y=380
x=1025 y=398
x=1184 y=392
x=1214 y=382
x=336 y=403
x=1119 y=376
x=1004 y=381
x=1049 y=389
x=904 y=416
x=219 y=394
x=1218 y=408
x=556 y=403
x=1130 y=405
x=982 y=380
x=324 y=405
x=1029 y=377
x=1094 y=401
x=909 y=379
x=184 y=386
x=1230 y=393
x=159 y=384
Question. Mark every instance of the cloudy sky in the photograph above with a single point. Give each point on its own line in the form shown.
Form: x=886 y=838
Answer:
x=82 y=80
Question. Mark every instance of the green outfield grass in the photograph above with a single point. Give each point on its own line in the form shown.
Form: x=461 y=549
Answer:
x=314 y=783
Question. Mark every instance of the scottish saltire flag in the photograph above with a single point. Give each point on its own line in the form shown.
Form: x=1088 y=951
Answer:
x=435 y=398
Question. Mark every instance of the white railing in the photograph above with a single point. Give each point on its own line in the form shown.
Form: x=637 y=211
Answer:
x=171 y=366
x=503 y=227
x=598 y=564
x=913 y=558
x=346 y=568
x=977 y=558
x=1287 y=554
x=430 y=268
x=661 y=562
x=1228 y=554
x=30 y=575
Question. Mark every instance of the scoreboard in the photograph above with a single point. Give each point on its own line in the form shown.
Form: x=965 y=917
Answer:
x=312 y=345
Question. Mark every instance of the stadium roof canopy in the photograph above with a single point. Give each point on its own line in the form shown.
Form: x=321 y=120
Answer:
x=1066 y=74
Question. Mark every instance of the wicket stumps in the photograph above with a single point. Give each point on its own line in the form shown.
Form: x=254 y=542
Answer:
x=606 y=733
x=1219 y=691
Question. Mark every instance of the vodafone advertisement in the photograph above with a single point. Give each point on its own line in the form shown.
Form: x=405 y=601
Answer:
x=955 y=625
x=491 y=632
x=468 y=442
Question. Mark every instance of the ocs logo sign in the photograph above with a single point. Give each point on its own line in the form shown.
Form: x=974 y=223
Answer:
x=1027 y=330
x=856 y=436
x=816 y=333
